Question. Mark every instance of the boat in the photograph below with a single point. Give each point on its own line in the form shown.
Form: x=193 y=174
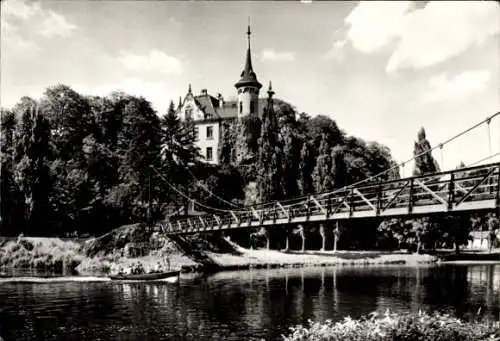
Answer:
x=145 y=277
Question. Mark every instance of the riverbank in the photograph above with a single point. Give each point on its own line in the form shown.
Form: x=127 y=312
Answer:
x=91 y=257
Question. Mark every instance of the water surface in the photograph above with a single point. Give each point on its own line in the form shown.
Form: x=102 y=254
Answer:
x=239 y=305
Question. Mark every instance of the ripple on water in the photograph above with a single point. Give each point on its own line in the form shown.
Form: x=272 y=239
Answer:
x=234 y=305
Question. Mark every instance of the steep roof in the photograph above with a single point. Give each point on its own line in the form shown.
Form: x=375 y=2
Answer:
x=207 y=104
x=248 y=76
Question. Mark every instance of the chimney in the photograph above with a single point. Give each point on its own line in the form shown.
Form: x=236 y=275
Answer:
x=221 y=100
x=204 y=92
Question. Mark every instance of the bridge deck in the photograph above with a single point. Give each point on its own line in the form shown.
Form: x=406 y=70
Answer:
x=467 y=189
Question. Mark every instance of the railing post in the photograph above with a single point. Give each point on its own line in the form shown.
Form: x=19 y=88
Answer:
x=451 y=192
x=498 y=190
x=308 y=209
x=410 y=198
x=328 y=206
x=379 y=197
x=350 y=199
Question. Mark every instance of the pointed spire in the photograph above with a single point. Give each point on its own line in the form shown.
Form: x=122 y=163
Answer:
x=270 y=92
x=180 y=101
x=189 y=89
x=248 y=76
x=248 y=33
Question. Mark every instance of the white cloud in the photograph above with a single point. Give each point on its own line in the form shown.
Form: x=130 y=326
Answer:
x=55 y=24
x=421 y=37
x=20 y=19
x=270 y=54
x=155 y=60
x=336 y=52
x=441 y=87
x=372 y=23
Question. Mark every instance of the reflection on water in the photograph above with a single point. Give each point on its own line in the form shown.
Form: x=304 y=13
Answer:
x=238 y=305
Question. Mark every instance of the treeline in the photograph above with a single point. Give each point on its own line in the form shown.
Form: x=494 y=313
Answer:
x=87 y=164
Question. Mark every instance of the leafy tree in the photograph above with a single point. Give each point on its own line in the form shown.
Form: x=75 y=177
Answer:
x=424 y=163
x=306 y=168
x=269 y=163
x=290 y=161
x=226 y=145
x=32 y=171
x=11 y=203
x=322 y=174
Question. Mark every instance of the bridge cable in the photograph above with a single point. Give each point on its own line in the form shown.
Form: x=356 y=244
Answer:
x=412 y=159
x=441 y=149
x=186 y=196
x=210 y=192
x=484 y=159
x=373 y=176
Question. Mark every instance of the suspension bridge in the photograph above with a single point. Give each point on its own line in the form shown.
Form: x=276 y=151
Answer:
x=469 y=189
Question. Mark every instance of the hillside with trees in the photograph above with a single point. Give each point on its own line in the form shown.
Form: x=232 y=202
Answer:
x=77 y=164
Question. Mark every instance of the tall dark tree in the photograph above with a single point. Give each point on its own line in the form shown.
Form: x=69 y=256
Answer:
x=179 y=153
x=322 y=174
x=306 y=168
x=269 y=164
x=11 y=205
x=33 y=172
x=290 y=160
x=424 y=162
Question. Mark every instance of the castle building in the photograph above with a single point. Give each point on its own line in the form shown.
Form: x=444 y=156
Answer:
x=209 y=113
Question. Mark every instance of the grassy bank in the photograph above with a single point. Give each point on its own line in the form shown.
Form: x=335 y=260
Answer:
x=134 y=244
x=51 y=254
x=397 y=327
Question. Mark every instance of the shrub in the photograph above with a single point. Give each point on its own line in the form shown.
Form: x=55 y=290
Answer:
x=396 y=327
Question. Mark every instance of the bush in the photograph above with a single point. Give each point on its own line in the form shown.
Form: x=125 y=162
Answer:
x=396 y=327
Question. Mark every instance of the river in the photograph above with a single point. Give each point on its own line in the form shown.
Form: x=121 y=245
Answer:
x=239 y=305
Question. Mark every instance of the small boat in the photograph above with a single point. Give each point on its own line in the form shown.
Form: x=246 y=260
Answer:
x=145 y=277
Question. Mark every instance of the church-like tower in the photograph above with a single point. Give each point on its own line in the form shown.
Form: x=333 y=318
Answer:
x=248 y=87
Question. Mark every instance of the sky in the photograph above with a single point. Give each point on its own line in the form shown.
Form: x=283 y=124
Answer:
x=381 y=70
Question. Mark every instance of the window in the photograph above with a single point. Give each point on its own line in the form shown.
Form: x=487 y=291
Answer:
x=210 y=133
x=189 y=113
x=241 y=107
x=252 y=107
x=209 y=154
x=196 y=133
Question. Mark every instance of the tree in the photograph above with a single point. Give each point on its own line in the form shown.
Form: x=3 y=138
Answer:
x=424 y=163
x=322 y=174
x=226 y=145
x=178 y=152
x=269 y=164
x=11 y=209
x=290 y=159
x=306 y=167
x=32 y=171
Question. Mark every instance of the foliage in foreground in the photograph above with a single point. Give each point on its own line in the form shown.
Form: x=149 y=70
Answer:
x=397 y=327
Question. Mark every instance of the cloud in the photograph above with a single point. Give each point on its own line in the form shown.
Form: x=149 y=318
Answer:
x=465 y=84
x=155 y=60
x=421 y=37
x=55 y=24
x=336 y=52
x=20 y=19
x=44 y=22
x=270 y=54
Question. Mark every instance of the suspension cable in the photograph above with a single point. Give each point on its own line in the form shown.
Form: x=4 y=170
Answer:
x=484 y=159
x=210 y=192
x=412 y=159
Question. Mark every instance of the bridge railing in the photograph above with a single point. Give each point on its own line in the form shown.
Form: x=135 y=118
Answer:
x=450 y=189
